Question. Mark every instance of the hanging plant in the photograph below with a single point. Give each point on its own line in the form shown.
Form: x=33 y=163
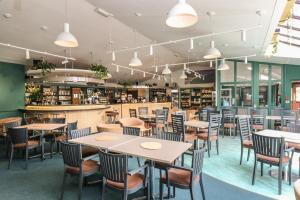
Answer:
x=100 y=71
x=44 y=65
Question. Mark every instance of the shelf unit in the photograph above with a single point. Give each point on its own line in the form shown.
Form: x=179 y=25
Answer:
x=185 y=98
x=195 y=98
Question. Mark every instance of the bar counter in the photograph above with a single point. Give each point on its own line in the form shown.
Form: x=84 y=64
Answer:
x=89 y=115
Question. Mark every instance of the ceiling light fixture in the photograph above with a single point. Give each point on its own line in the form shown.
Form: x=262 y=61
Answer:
x=113 y=56
x=246 y=60
x=243 y=35
x=183 y=75
x=212 y=52
x=27 y=54
x=135 y=61
x=182 y=15
x=223 y=66
x=65 y=61
x=132 y=72
x=166 y=71
x=153 y=77
x=191 y=43
x=7 y=15
x=151 y=50
x=210 y=63
x=117 y=70
x=156 y=69
x=249 y=68
x=66 y=39
x=144 y=74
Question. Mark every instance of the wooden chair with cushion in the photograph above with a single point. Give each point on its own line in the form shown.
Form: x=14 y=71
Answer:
x=258 y=118
x=185 y=177
x=74 y=164
x=274 y=155
x=288 y=120
x=212 y=133
x=57 y=135
x=245 y=136
x=18 y=139
x=228 y=120
x=119 y=178
x=87 y=151
x=160 y=124
x=132 y=113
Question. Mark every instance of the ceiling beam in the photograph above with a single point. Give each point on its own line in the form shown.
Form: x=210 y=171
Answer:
x=289 y=36
x=292 y=44
x=291 y=28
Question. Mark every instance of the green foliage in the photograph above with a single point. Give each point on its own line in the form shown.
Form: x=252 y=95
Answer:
x=100 y=71
x=44 y=65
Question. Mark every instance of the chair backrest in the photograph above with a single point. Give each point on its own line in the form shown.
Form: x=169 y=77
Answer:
x=268 y=146
x=132 y=113
x=57 y=120
x=143 y=110
x=242 y=111
x=70 y=127
x=228 y=116
x=170 y=136
x=166 y=109
x=244 y=126
x=181 y=112
x=178 y=125
x=80 y=133
x=131 y=131
x=204 y=113
x=197 y=162
x=17 y=135
x=258 y=116
x=12 y=124
x=114 y=167
x=131 y=122
x=160 y=116
x=289 y=120
x=71 y=154
x=214 y=124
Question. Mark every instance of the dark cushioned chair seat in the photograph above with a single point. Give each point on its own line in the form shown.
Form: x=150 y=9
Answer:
x=88 y=167
x=133 y=181
x=31 y=144
x=204 y=136
x=179 y=176
x=285 y=159
x=248 y=143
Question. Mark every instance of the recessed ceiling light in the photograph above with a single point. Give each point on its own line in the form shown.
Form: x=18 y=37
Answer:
x=44 y=28
x=104 y=12
x=261 y=12
x=138 y=14
x=211 y=13
x=7 y=15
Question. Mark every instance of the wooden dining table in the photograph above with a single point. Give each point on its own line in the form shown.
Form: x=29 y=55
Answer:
x=42 y=128
x=197 y=124
x=288 y=136
x=131 y=145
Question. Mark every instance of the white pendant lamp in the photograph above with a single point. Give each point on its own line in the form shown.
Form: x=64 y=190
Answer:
x=223 y=66
x=183 y=75
x=66 y=39
x=166 y=70
x=135 y=61
x=182 y=15
x=212 y=52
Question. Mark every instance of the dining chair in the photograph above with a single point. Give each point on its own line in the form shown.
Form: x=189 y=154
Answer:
x=119 y=178
x=74 y=164
x=160 y=120
x=212 y=133
x=64 y=136
x=185 y=177
x=288 y=120
x=228 y=120
x=18 y=139
x=164 y=166
x=178 y=125
x=87 y=151
x=167 y=110
x=258 y=118
x=274 y=155
x=132 y=113
x=3 y=134
x=135 y=132
x=245 y=136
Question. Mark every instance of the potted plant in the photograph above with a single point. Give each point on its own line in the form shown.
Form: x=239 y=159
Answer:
x=43 y=65
x=100 y=71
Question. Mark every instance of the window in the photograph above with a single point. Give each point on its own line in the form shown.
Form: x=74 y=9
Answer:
x=244 y=72
x=243 y=95
x=263 y=72
x=226 y=94
x=228 y=75
x=276 y=85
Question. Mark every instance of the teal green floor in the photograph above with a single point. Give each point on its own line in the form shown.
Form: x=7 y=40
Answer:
x=226 y=167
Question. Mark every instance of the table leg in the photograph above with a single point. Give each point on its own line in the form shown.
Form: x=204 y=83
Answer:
x=151 y=177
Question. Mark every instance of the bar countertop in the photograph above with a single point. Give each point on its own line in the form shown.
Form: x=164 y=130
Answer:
x=65 y=107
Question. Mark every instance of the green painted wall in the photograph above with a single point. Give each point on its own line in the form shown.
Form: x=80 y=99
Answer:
x=12 y=80
x=291 y=73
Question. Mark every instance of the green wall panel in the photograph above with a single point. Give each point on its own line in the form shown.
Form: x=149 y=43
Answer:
x=12 y=80
x=291 y=73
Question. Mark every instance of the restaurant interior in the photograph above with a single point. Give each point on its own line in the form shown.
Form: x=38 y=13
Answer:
x=140 y=99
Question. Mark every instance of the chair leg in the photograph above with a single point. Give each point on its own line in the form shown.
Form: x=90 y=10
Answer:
x=11 y=156
x=254 y=169
x=279 y=179
x=139 y=161
x=192 y=192
x=261 y=169
x=102 y=189
x=174 y=191
x=161 y=190
x=80 y=185
x=26 y=158
x=208 y=148
x=290 y=173
x=202 y=188
x=242 y=151
x=63 y=186
x=248 y=156
x=125 y=195
x=217 y=145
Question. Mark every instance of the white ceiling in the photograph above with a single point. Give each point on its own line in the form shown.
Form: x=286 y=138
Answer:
x=92 y=29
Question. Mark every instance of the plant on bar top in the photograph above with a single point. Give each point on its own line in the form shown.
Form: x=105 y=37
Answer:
x=44 y=65
x=101 y=71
